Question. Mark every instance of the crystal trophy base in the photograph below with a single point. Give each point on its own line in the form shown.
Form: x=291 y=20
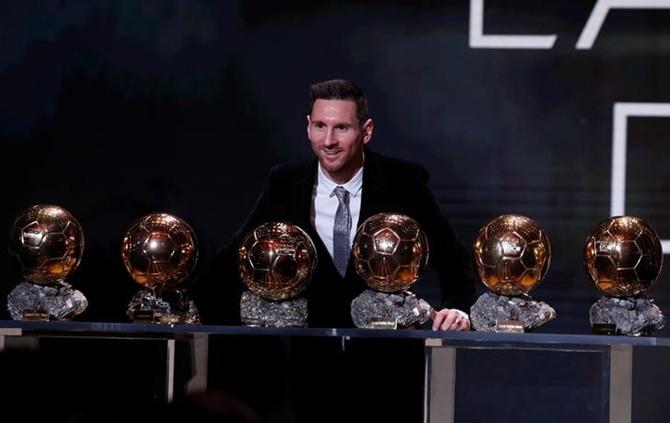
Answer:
x=380 y=310
x=500 y=313
x=631 y=316
x=257 y=311
x=167 y=306
x=30 y=301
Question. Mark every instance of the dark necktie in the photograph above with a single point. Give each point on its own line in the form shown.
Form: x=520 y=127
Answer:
x=341 y=231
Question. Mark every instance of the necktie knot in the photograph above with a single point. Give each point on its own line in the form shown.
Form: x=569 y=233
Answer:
x=342 y=195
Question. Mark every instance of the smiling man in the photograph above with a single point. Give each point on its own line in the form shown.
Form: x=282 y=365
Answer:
x=328 y=197
x=338 y=128
x=346 y=183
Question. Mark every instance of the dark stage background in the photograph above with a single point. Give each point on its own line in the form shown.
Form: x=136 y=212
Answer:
x=113 y=110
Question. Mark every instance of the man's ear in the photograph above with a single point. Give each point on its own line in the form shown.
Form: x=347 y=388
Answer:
x=368 y=127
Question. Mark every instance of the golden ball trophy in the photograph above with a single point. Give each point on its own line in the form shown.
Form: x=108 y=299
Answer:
x=160 y=252
x=512 y=255
x=623 y=256
x=48 y=243
x=276 y=263
x=390 y=254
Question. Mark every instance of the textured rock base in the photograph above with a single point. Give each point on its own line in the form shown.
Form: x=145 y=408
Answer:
x=256 y=311
x=148 y=306
x=29 y=301
x=491 y=308
x=374 y=309
x=631 y=316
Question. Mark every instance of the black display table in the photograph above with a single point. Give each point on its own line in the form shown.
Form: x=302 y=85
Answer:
x=470 y=376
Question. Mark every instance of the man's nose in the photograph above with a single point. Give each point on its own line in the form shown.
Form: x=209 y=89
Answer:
x=329 y=139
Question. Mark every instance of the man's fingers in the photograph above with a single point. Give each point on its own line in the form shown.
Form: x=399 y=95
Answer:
x=437 y=320
x=449 y=321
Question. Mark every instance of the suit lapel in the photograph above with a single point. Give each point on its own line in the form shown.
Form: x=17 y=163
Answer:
x=305 y=188
x=374 y=188
x=304 y=192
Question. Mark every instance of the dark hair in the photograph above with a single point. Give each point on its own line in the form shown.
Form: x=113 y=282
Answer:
x=340 y=89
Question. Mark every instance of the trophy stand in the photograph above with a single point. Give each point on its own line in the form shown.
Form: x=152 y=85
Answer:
x=501 y=313
x=31 y=301
x=159 y=252
x=276 y=262
x=390 y=253
x=256 y=311
x=48 y=243
x=374 y=309
x=155 y=305
x=632 y=316
x=623 y=256
x=512 y=254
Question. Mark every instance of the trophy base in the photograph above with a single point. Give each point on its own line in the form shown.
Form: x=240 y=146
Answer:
x=30 y=301
x=630 y=316
x=381 y=310
x=259 y=312
x=162 y=307
x=490 y=308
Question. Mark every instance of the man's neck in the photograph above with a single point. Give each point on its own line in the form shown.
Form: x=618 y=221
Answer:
x=339 y=180
x=346 y=177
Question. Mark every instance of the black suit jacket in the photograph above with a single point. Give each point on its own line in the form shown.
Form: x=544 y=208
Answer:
x=389 y=185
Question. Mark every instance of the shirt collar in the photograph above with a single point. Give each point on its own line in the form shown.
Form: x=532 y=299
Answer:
x=353 y=185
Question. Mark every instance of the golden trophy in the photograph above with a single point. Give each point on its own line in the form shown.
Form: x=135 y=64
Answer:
x=390 y=254
x=512 y=255
x=160 y=252
x=48 y=243
x=276 y=263
x=623 y=256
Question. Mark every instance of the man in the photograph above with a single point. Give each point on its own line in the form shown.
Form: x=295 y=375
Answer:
x=328 y=197
x=304 y=194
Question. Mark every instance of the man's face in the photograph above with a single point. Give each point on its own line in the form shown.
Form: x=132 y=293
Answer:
x=337 y=137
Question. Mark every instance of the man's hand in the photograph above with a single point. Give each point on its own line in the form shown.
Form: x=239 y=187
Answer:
x=450 y=319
